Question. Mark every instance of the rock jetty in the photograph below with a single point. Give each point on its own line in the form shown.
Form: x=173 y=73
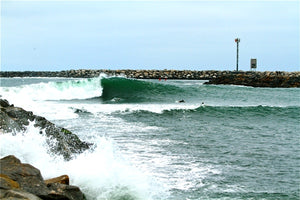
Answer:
x=21 y=181
x=248 y=78
x=259 y=79
x=138 y=74
x=15 y=119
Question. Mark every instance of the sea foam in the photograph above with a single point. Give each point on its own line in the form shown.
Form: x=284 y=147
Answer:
x=101 y=174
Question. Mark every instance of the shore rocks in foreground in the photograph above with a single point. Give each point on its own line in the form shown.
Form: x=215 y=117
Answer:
x=21 y=181
x=248 y=78
x=14 y=119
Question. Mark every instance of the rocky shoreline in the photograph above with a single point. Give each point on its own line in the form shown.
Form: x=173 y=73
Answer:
x=247 y=78
x=15 y=119
x=20 y=181
x=23 y=181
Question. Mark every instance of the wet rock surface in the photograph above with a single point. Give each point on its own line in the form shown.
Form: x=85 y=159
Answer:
x=15 y=119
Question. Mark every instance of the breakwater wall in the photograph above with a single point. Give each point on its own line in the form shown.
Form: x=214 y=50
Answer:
x=248 y=78
x=138 y=74
x=259 y=79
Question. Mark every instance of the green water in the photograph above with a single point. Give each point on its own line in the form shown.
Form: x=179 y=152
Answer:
x=256 y=149
x=224 y=142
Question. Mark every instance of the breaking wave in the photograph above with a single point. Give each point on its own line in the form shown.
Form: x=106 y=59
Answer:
x=131 y=90
x=109 y=89
x=60 y=90
x=101 y=174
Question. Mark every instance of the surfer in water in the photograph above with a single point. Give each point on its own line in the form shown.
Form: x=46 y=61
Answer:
x=181 y=101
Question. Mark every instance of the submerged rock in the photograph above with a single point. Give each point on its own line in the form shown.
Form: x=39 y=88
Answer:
x=23 y=181
x=14 y=119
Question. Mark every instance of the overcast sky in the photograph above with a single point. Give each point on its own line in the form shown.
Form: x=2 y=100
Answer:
x=190 y=35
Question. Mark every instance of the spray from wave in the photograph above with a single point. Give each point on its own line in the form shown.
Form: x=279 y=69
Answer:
x=108 y=88
x=65 y=90
x=101 y=174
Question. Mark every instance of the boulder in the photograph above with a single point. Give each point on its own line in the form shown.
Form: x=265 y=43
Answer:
x=63 y=191
x=64 y=179
x=24 y=181
x=17 y=195
x=4 y=103
x=28 y=177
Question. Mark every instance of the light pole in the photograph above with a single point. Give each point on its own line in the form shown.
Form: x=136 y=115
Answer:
x=237 y=40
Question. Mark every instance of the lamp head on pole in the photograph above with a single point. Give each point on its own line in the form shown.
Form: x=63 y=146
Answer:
x=237 y=40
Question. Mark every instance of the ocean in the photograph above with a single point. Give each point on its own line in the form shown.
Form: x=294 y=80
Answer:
x=163 y=140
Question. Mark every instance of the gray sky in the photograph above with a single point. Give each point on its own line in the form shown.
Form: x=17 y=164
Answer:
x=191 y=35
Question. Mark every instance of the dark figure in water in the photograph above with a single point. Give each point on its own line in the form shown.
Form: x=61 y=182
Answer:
x=181 y=101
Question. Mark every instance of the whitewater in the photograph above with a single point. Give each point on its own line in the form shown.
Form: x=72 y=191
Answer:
x=223 y=142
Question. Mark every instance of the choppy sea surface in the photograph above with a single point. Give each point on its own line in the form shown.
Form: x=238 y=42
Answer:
x=222 y=142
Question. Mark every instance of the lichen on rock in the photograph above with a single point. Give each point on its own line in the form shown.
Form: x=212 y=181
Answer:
x=24 y=181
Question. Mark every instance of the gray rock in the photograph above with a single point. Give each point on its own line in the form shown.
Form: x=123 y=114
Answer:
x=258 y=79
x=4 y=103
x=63 y=191
x=17 y=195
x=15 y=119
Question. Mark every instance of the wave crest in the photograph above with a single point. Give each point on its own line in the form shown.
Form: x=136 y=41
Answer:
x=61 y=90
x=133 y=90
